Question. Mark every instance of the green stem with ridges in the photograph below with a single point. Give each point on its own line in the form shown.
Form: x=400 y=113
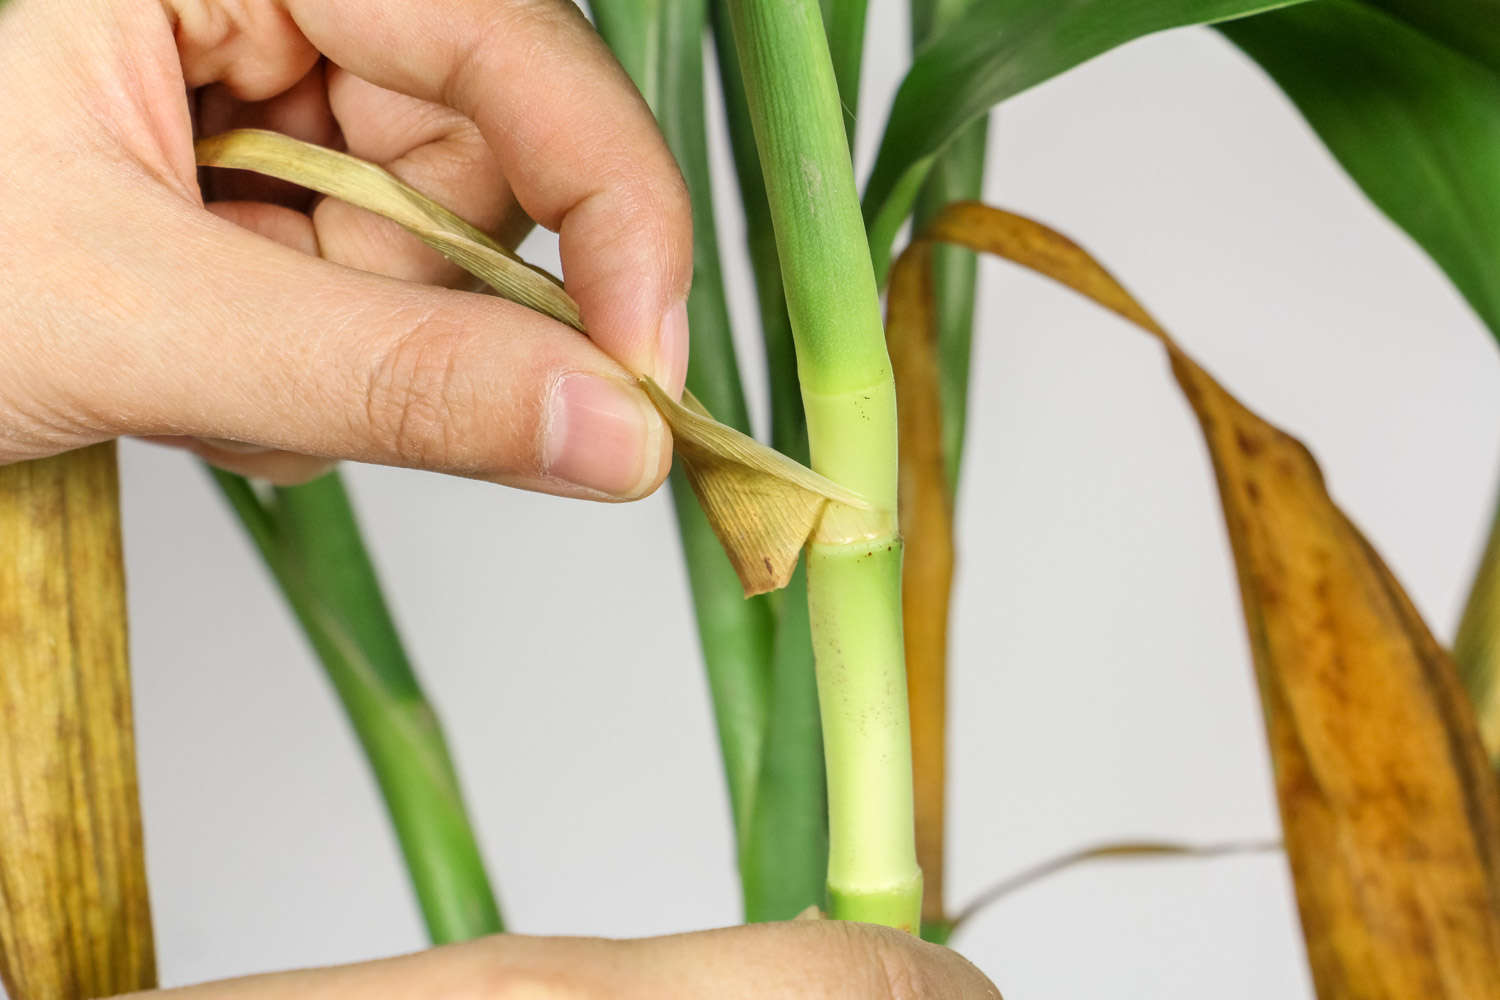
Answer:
x=849 y=397
x=310 y=540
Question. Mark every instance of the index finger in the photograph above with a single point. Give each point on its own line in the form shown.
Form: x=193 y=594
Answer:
x=579 y=147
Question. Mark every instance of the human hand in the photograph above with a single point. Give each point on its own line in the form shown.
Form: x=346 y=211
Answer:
x=796 y=960
x=128 y=307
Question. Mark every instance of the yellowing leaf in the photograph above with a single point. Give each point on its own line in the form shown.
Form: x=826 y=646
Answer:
x=762 y=505
x=75 y=921
x=927 y=569
x=1390 y=814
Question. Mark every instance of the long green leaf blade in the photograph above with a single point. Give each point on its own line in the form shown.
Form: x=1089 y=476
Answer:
x=1468 y=26
x=661 y=47
x=957 y=174
x=844 y=24
x=997 y=49
x=785 y=858
x=310 y=540
x=1414 y=122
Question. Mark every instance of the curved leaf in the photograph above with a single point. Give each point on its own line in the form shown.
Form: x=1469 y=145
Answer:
x=996 y=50
x=1469 y=26
x=1414 y=122
x=1390 y=814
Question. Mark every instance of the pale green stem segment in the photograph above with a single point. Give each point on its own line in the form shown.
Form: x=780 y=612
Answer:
x=660 y=44
x=310 y=540
x=854 y=582
x=854 y=599
x=1476 y=647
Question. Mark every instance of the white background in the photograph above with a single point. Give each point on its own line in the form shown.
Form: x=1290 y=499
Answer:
x=1101 y=685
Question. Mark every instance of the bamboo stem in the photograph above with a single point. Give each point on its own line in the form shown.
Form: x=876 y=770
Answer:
x=849 y=397
x=75 y=919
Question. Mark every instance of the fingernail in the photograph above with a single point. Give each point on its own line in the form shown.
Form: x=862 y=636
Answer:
x=672 y=350
x=602 y=434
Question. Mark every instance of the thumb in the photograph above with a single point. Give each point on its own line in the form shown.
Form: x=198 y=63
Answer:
x=826 y=960
x=275 y=348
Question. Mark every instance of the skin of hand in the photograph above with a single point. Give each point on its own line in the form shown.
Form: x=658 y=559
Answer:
x=271 y=331
x=795 y=960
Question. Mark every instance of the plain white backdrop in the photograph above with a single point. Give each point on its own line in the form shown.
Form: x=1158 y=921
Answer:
x=1101 y=686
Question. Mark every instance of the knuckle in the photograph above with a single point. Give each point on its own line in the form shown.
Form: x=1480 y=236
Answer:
x=36 y=423
x=416 y=398
x=893 y=962
x=906 y=977
x=511 y=38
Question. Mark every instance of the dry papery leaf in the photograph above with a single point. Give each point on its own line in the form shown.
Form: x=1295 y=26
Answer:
x=75 y=921
x=763 y=506
x=1390 y=813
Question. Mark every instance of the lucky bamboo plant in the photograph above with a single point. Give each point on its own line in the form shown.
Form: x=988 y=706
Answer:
x=837 y=798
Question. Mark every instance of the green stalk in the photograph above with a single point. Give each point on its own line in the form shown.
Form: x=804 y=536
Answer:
x=660 y=44
x=1476 y=647
x=845 y=22
x=848 y=393
x=310 y=540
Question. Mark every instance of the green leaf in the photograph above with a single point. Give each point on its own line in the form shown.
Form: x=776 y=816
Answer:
x=310 y=540
x=788 y=420
x=1468 y=26
x=957 y=174
x=785 y=858
x=995 y=50
x=844 y=24
x=1415 y=122
x=661 y=47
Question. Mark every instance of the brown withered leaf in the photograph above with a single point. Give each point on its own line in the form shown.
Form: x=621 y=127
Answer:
x=368 y=186
x=762 y=505
x=75 y=921
x=1390 y=814
x=926 y=518
x=1129 y=850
